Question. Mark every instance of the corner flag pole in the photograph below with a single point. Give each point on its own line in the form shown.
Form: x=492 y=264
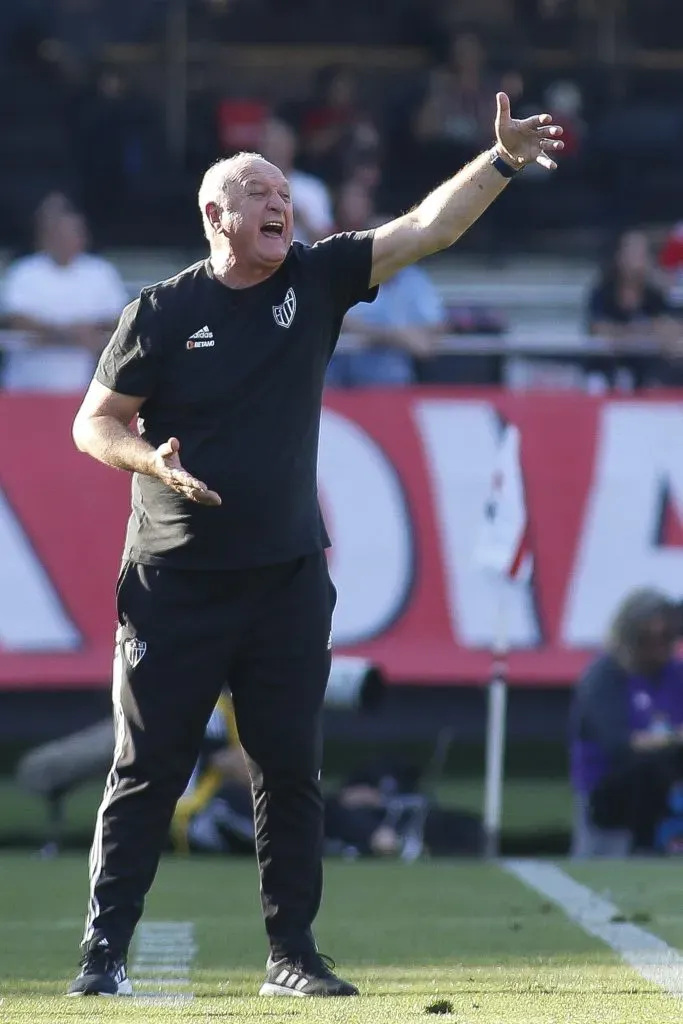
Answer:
x=496 y=721
x=503 y=551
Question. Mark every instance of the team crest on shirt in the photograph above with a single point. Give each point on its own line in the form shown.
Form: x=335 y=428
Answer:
x=284 y=314
x=134 y=651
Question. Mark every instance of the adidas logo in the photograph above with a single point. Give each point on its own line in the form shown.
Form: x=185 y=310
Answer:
x=120 y=975
x=291 y=980
x=203 y=338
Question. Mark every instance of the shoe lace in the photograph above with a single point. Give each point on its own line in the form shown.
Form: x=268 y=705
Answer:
x=318 y=963
x=100 y=959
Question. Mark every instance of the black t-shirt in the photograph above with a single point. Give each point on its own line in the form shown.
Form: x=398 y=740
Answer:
x=237 y=376
x=604 y=305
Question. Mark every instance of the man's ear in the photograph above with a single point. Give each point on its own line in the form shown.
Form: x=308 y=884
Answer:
x=213 y=215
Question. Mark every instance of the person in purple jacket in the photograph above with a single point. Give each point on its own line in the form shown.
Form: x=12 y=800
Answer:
x=627 y=730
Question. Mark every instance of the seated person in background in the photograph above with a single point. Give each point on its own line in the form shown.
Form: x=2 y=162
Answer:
x=627 y=731
x=215 y=813
x=54 y=770
x=377 y=812
x=66 y=303
x=452 y=123
x=406 y=321
x=628 y=308
x=332 y=122
x=627 y=303
x=313 y=218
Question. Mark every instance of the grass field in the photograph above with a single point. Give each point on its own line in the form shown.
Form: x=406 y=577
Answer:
x=409 y=936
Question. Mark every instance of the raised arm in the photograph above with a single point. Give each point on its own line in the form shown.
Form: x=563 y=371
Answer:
x=440 y=219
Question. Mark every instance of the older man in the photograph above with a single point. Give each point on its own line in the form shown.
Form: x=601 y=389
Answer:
x=224 y=572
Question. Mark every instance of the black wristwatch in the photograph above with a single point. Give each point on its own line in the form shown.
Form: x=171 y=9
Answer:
x=502 y=166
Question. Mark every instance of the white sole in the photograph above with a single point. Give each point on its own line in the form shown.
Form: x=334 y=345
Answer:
x=269 y=989
x=125 y=989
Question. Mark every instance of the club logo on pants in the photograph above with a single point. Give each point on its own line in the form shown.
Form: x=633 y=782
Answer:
x=134 y=651
x=284 y=314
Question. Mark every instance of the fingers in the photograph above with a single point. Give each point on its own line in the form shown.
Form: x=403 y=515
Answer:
x=548 y=145
x=208 y=498
x=192 y=489
x=537 y=121
x=199 y=495
x=204 y=497
x=545 y=161
x=169 y=448
x=554 y=131
x=502 y=107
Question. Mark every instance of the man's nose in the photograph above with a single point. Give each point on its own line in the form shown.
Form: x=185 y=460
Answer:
x=276 y=202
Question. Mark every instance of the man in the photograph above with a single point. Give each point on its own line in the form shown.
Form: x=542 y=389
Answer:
x=224 y=573
x=311 y=201
x=64 y=300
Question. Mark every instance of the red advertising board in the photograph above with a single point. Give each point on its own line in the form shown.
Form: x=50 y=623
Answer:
x=403 y=480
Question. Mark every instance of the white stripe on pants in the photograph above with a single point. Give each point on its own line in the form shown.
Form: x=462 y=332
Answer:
x=96 y=850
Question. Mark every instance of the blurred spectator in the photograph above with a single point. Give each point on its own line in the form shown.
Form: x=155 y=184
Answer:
x=627 y=730
x=378 y=811
x=54 y=770
x=627 y=303
x=404 y=323
x=671 y=254
x=453 y=121
x=64 y=301
x=313 y=218
x=241 y=123
x=354 y=206
x=334 y=127
x=215 y=812
x=629 y=309
x=459 y=107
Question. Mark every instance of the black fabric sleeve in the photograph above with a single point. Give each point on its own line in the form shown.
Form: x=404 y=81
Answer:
x=601 y=709
x=347 y=260
x=130 y=362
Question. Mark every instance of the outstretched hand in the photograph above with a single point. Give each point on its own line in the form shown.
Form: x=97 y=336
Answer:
x=168 y=468
x=526 y=141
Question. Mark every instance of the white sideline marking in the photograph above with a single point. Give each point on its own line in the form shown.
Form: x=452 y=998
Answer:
x=649 y=955
x=163 y=956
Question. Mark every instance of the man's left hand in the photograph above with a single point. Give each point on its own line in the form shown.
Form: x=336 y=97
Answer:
x=527 y=141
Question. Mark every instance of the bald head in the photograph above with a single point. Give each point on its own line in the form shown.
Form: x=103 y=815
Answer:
x=247 y=213
x=225 y=179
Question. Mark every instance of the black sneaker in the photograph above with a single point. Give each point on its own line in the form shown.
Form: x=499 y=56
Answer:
x=308 y=975
x=103 y=972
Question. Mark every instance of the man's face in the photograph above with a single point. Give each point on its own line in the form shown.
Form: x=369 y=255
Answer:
x=258 y=218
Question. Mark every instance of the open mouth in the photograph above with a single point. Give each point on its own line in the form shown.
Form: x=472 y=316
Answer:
x=273 y=229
